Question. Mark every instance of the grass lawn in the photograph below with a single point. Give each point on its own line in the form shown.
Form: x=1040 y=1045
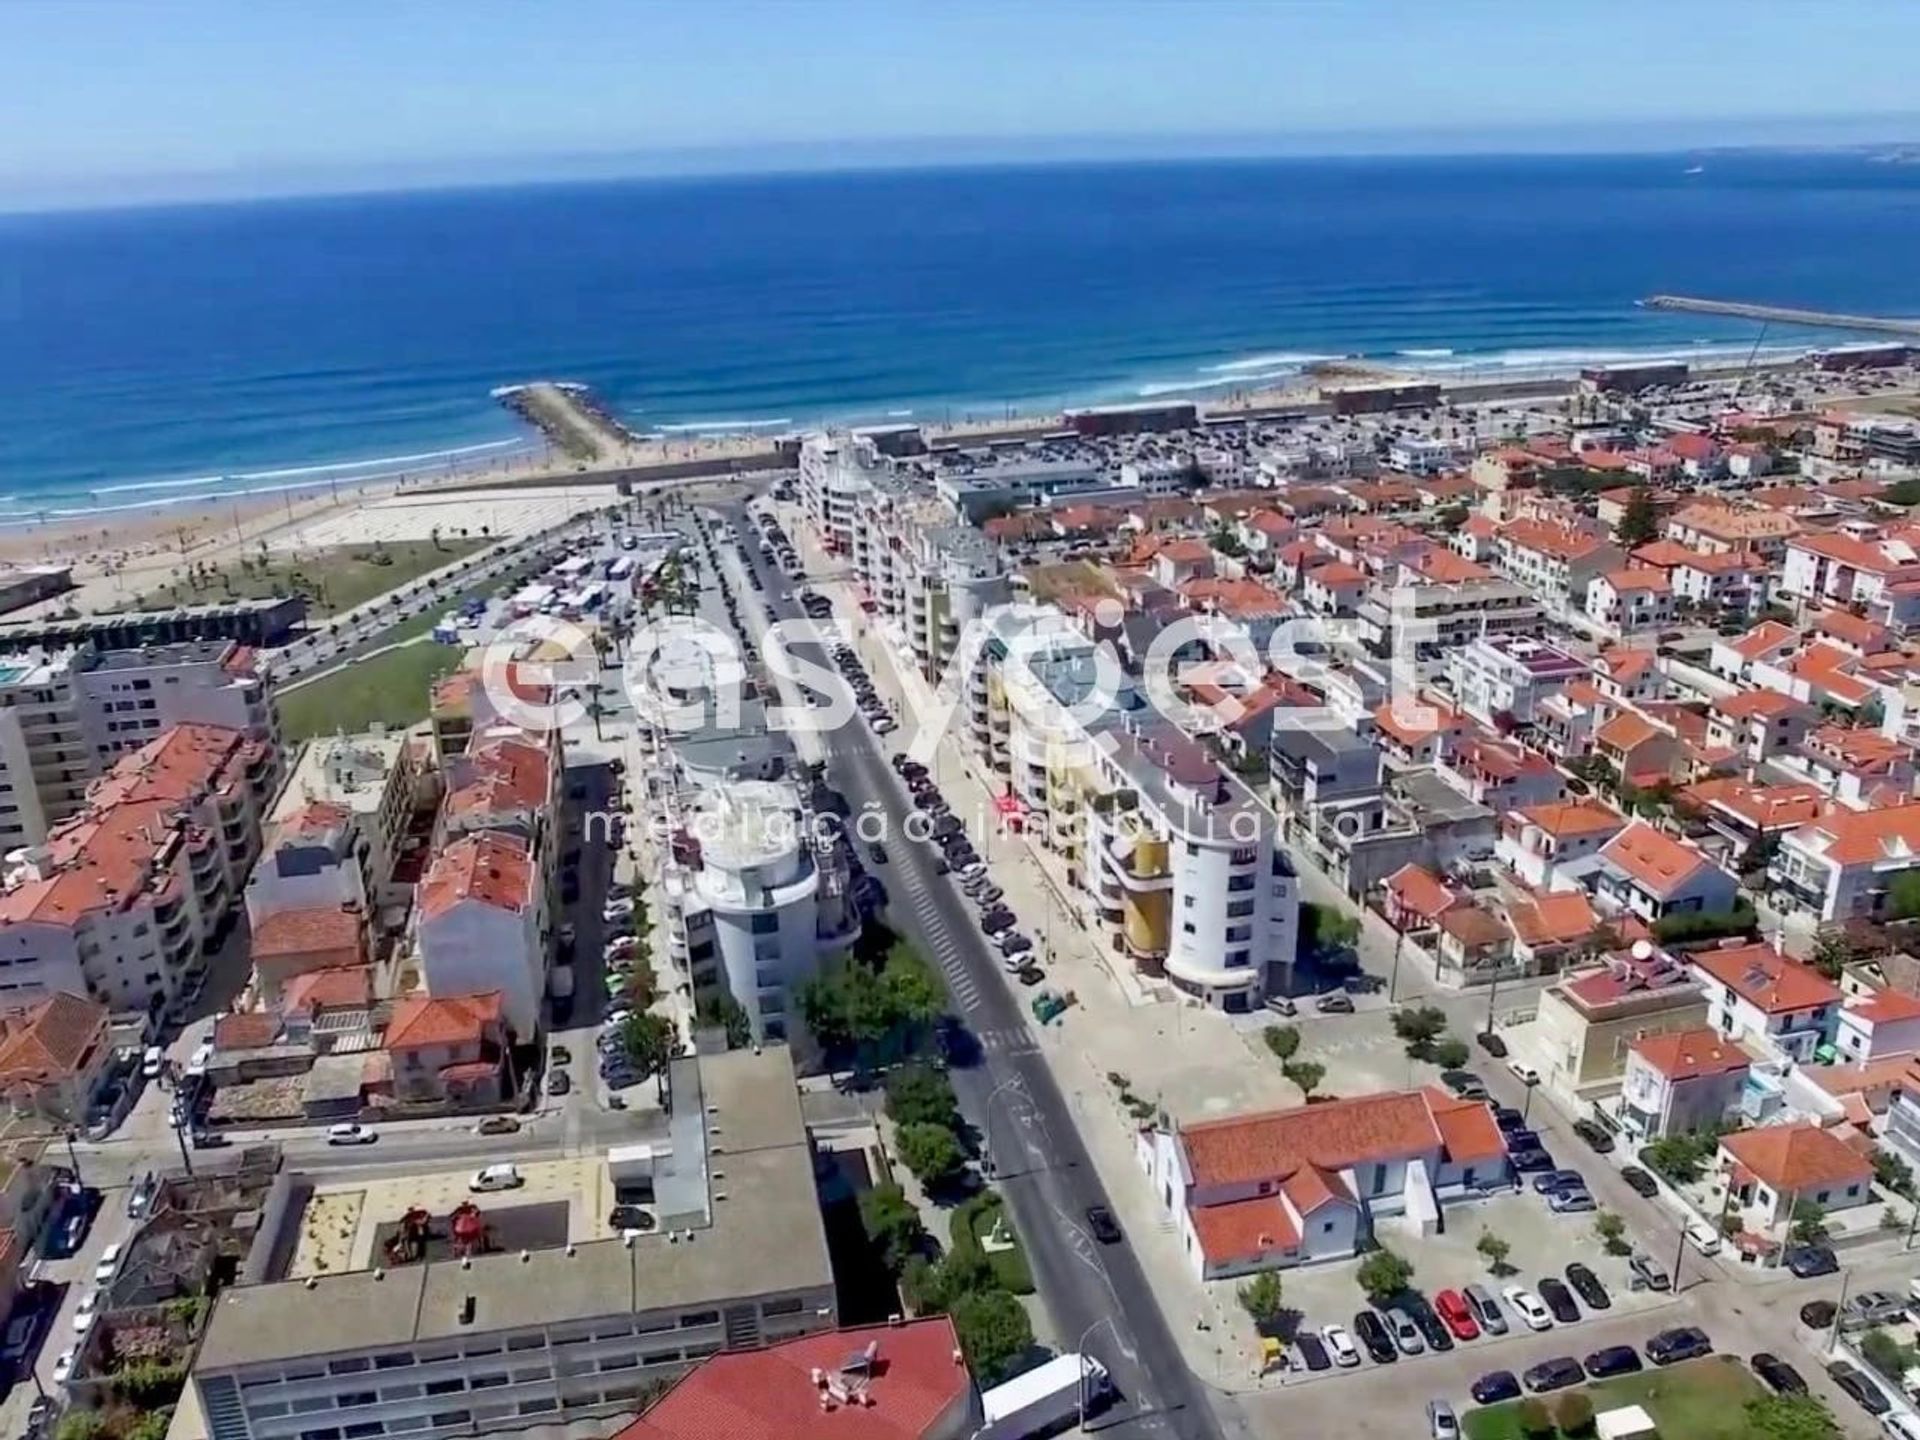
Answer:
x=391 y=687
x=975 y=1219
x=1700 y=1400
x=335 y=578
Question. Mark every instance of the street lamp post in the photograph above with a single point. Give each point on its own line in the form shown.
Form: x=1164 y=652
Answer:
x=1526 y=1105
x=73 y=1155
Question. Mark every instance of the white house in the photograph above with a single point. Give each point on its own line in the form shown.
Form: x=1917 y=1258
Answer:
x=1679 y=1082
x=1650 y=875
x=1288 y=1187
x=1877 y=1025
x=1775 y=1004
x=1545 y=844
x=1775 y=1169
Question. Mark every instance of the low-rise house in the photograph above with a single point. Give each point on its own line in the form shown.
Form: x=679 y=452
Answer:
x=1288 y=1187
x=293 y=942
x=1473 y=944
x=1414 y=898
x=1500 y=682
x=1554 y=561
x=1860 y=768
x=1758 y=995
x=1550 y=930
x=1641 y=752
x=482 y=926
x=1628 y=601
x=53 y=1056
x=1744 y=814
x=1719 y=528
x=1500 y=774
x=1775 y=1170
x=1587 y=1021
x=1768 y=642
x=1680 y=1082
x=449 y=1049
x=1877 y=1026
x=1333 y=588
x=1733 y=582
x=1842 y=865
x=1759 y=723
x=1650 y=875
x=1553 y=846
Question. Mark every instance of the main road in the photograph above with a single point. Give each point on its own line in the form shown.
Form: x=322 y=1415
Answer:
x=1096 y=1294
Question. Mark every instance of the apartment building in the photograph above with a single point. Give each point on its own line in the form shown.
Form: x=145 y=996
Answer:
x=483 y=923
x=583 y=1323
x=1721 y=529
x=125 y=897
x=1502 y=681
x=1588 y=1022
x=1845 y=567
x=338 y=829
x=1630 y=600
x=1553 y=561
x=1680 y=1082
x=755 y=901
x=67 y=715
x=1425 y=617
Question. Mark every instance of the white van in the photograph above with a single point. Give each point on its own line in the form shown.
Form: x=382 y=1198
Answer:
x=152 y=1061
x=495 y=1177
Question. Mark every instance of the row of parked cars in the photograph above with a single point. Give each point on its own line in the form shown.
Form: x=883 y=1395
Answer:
x=851 y=670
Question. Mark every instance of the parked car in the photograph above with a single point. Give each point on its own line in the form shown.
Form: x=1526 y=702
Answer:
x=1554 y=1180
x=1442 y=1423
x=1871 y=1307
x=1587 y=1286
x=1703 y=1237
x=1014 y=943
x=1373 y=1335
x=1406 y=1334
x=1808 y=1261
x=1494 y=1046
x=1524 y=1073
x=994 y=921
x=1493 y=1387
x=1570 y=1202
x=498 y=1125
x=1639 y=1181
x=1340 y=1345
x=1683 y=1342
x=1308 y=1347
x=1817 y=1314
x=1558 y=1299
x=1613 y=1360
x=1524 y=1303
x=349 y=1133
x=1595 y=1134
x=1486 y=1309
x=1281 y=1005
x=1456 y=1315
x=1780 y=1377
x=109 y=1263
x=1030 y=974
x=1867 y=1395
x=1555 y=1374
x=88 y=1312
x=1104 y=1227
x=495 y=1177
x=1508 y=1119
x=1334 y=1002
x=1529 y=1158
x=63 y=1367
x=1464 y=1083
x=1651 y=1272
x=1435 y=1332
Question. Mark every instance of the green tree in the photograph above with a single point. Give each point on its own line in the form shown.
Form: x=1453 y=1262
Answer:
x=892 y=1224
x=1496 y=1251
x=1903 y=895
x=994 y=1332
x=1789 y=1417
x=931 y=1152
x=153 y=1425
x=1383 y=1275
x=641 y=988
x=1809 y=1223
x=81 y=1425
x=1833 y=951
x=1640 y=522
x=1420 y=1026
x=1450 y=1053
x=1322 y=927
x=922 y=1095
x=1307 y=1074
x=1574 y=1411
x=649 y=1042
x=1533 y=1418
x=1612 y=1231
x=1681 y=1158
x=1260 y=1296
x=724 y=1012
x=1885 y=1354
x=1890 y=1172
x=1451 y=517
x=1282 y=1040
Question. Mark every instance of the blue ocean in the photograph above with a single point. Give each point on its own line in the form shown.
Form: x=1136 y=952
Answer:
x=187 y=350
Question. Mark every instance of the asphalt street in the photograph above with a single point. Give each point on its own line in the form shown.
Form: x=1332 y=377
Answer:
x=1096 y=1294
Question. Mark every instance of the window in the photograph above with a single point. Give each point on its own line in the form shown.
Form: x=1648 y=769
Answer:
x=693 y=1319
x=782 y=1307
x=765 y=923
x=450 y=1386
x=351 y=1399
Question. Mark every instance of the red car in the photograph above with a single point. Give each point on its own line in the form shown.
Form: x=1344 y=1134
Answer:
x=1452 y=1308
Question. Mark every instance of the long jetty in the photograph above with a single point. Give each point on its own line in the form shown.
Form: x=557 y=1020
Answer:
x=1784 y=315
x=572 y=417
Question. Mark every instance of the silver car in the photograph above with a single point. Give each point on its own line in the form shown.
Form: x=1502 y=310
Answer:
x=1486 y=1309
x=1442 y=1423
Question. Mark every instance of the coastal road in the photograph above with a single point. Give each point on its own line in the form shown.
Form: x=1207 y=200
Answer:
x=1096 y=1294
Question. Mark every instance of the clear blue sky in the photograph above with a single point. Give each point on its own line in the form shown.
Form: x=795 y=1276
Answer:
x=106 y=98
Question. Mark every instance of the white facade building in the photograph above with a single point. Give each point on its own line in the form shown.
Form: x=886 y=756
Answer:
x=482 y=925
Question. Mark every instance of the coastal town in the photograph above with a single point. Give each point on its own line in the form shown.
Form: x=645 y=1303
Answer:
x=1393 y=900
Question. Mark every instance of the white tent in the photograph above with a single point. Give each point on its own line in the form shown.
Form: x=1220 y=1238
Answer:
x=1629 y=1422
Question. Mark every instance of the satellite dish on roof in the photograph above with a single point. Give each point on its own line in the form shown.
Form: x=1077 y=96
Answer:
x=1642 y=950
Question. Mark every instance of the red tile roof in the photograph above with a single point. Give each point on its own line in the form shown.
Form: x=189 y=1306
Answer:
x=1421 y=891
x=51 y=1040
x=1854 y=837
x=1557 y=919
x=498 y=776
x=916 y=1382
x=487 y=866
x=443 y=1020
x=1243 y=1229
x=1656 y=861
x=1687 y=1054
x=1791 y=1159
x=342 y=987
x=1884 y=1007
x=1565 y=819
x=1274 y=1144
x=304 y=931
x=1766 y=979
